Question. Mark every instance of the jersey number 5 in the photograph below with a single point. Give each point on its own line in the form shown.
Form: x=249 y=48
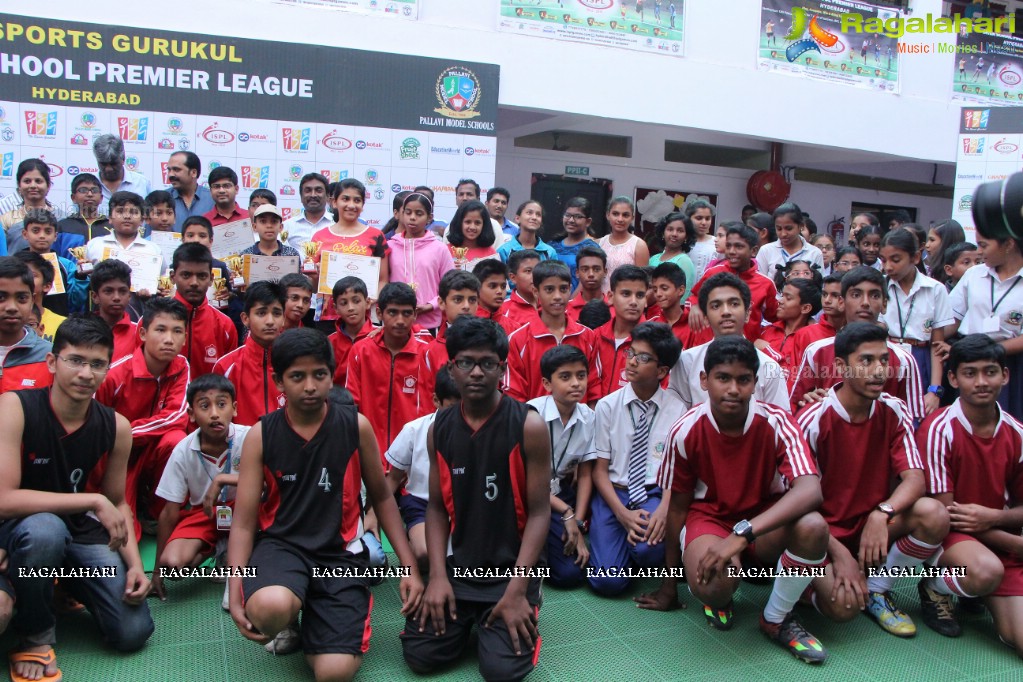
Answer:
x=491 y=493
x=324 y=480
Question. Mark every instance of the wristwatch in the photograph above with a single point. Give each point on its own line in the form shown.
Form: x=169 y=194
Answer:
x=937 y=390
x=744 y=529
x=886 y=509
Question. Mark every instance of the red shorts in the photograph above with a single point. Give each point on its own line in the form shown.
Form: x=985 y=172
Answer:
x=699 y=524
x=193 y=524
x=1012 y=582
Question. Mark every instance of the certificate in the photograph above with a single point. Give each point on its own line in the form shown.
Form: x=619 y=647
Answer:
x=334 y=266
x=232 y=238
x=269 y=268
x=145 y=268
x=167 y=241
x=58 y=277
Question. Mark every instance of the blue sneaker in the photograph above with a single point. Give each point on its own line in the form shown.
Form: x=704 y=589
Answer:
x=891 y=618
x=377 y=558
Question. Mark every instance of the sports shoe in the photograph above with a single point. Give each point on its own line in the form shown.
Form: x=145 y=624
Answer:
x=892 y=619
x=939 y=613
x=719 y=619
x=972 y=606
x=219 y=560
x=793 y=637
x=376 y=550
x=225 y=603
x=287 y=641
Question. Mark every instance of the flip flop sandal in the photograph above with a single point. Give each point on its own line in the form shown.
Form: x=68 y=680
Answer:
x=43 y=658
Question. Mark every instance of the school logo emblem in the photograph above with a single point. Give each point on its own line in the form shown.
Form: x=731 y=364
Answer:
x=409 y=148
x=286 y=190
x=281 y=400
x=7 y=134
x=410 y=385
x=395 y=188
x=174 y=125
x=458 y=91
x=378 y=194
x=928 y=326
x=211 y=351
x=183 y=144
x=965 y=202
x=1015 y=318
x=132 y=162
x=372 y=176
x=88 y=120
x=295 y=172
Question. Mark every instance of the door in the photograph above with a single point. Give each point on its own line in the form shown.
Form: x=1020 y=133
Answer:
x=553 y=191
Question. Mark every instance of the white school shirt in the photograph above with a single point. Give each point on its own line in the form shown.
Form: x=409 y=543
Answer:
x=684 y=379
x=300 y=230
x=613 y=428
x=408 y=452
x=190 y=472
x=94 y=249
x=570 y=443
x=980 y=292
x=773 y=254
x=916 y=314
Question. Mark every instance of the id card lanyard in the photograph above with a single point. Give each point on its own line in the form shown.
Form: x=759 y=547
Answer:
x=226 y=469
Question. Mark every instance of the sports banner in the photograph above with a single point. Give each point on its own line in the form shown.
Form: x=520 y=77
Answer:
x=806 y=38
x=409 y=9
x=646 y=25
x=988 y=69
x=271 y=111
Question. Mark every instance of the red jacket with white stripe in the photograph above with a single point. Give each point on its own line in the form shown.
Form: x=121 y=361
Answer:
x=526 y=346
x=342 y=345
x=25 y=364
x=154 y=405
x=515 y=312
x=763 y=301
x=126 y=338
x=210 y=336
x=249 y=370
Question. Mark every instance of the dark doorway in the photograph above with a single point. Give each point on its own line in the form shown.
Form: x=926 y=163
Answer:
x=552 y=191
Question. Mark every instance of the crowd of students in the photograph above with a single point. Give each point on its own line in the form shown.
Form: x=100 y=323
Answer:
x=741 y=401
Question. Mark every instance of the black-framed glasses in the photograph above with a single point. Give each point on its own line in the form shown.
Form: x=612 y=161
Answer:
x=488 y=365
x=88 y=190
x=76 y=363
x=641 y=358
x=574 y=216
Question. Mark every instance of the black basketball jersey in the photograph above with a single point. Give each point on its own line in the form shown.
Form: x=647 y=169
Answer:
x=483 y=483
x=313 y=499
x=55 y=461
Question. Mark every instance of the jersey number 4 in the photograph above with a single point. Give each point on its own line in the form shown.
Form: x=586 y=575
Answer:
x=324 y=480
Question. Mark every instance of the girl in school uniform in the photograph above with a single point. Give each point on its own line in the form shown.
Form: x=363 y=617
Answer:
x=471 y=235
x=621 y=245
x=701 y=213
x=868 y=242
x=674 y=234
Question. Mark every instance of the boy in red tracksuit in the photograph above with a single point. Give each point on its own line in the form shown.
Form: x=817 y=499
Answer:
x=351 y=302
x=526 y=345
x=248 y=367
x=211 y=335
x=459 y=293
x=110 y=291
x=25 y=364
x=148 y=388
x=629 y=285
x=388 y=373
x=520 y=308
x=590 y=270
x=493 y=276
x=740 y=242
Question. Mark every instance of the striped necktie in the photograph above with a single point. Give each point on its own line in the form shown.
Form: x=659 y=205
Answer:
x=637 y=456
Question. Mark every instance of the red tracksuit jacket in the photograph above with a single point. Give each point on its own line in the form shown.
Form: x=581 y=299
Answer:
x=126 y=338
x=390 y=390
x=249 y=370
x=515 y=312
x=211 y=335
x=763 y=304
x=154 y=405
x=610 y=362
x=526 y=346
x=25 y=364
x=342 y=345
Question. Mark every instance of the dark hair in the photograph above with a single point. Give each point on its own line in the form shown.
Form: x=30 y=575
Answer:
x=975 y=347
x=527 y=202
x=209 y=382
x=864 y=273
x=467 y=333
x=557 y=357
x=493 y=191
x=158 y=305
x=296 y=280
x=263 y=193
x=671 y=272
x=456 y=237
x=871 y=218
x=666 y=345
x=353 y=284
x=39 y=216
x=745 y=232
x=124 y=198
x=810 y=225
x=444 y=386
x=903 y=240
x=457 y=280
x=899 y=215
x=109 y=270
x=14 y=268
x=391 y=226
x=516 y=258
x=156 y=198
x=748 y=207
x=397 y=293
x=590 y=251
x=949 y=257
x=347 y=183
x=29 y=165
x=83 y=179
x=594 y=314
x=723 y=279
x=313 y=177
x=488 y=267
x=629 y=273
x=728 y=349
x=789 y=209
x=222 y=173
x=551 y=268
x=763 y=221
x=846 y=251
x=339 y=395
x=299 y=343
x=469 y=181
x=83 y=331
x=692 y=207
x=192 y=161
x=657 y=241
x=582 y=203
x=951 y=234
x=833 y=278
x=423 y=200
x=425 y=189
x=855 y=334
x=868 y=230
x=200 y=220
x=34 y=260
x=192 y=252
x=37 y=311
x=809 y=293
x=782 y=272
x=263 y=293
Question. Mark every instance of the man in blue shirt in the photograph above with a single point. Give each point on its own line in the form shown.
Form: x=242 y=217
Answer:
x=190 y=198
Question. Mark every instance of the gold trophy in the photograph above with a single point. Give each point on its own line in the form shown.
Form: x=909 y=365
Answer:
x=284 y=237
x=311 y=249
x=219 y=287
x=459 y=253
x=236 y=265
x=79 y=252
x=166 y=283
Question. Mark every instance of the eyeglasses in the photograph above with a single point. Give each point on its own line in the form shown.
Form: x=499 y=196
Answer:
x=77 y=363
x=641 y=358
x=574 y=216
x=488 y=365
x=223 y=185
x=848 y=263
x=88 y=190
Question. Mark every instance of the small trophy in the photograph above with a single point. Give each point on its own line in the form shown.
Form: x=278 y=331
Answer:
x=166 y=283
x=459 y=253
x=219 y=287
x=83 y=260
x=142 y=231
x=284 y=237
x=311 y=249
x=236 y=265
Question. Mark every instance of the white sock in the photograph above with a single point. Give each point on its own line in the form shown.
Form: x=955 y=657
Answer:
x=948 y=585
x=788 y=589
x=907 y=552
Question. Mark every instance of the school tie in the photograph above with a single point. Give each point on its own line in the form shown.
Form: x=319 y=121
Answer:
x=637 y=457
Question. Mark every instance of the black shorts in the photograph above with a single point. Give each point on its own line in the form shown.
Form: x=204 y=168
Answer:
x=335 y=611
x=413 y=510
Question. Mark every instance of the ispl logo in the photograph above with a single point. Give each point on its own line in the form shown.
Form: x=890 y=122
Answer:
x=7 y=165
x=255 y=177
x=55 y=170
x=296 y=139
x=976 y=119
x=215 y=135
x=41 y=123
x=973 y=146
x=133 y=129
x=335 y=142
x=1005 y=147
